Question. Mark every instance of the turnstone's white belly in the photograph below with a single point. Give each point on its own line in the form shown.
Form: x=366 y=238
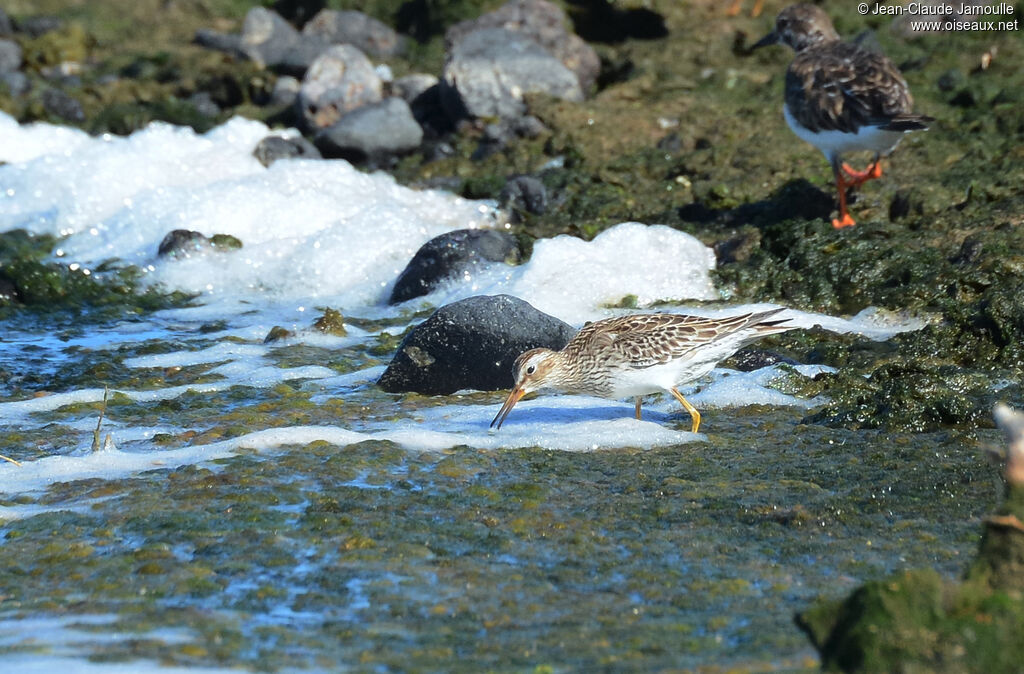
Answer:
x=834 y=143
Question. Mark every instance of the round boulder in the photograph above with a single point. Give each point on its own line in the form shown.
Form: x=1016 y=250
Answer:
x=471 y=344
x=450 y=255
x=374 y=130
x=266 y=37
x=488 y=72
x=340 y=80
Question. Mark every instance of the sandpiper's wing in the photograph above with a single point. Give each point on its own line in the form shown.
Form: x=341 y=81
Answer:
x=843 y=87
x=643 y=340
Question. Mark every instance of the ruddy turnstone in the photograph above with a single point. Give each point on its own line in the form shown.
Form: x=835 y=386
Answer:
x=841 y=97
x=632 y=356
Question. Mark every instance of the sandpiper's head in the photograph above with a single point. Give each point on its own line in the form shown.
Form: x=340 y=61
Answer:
x=534 y=370
x=801 y=26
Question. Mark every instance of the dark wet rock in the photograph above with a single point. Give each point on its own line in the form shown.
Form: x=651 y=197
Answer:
x=411 y=87
x=183 y=243
x=17 y=83
x=8 y=292
x=10 y=56
x=203 y=102
x=970 y=250
x=6 y=27
x=471 y=344
x=544 y=23
x=951 y=80
x=340 y=80
x=60 y=104
x=37 y=26
x=374 y=130
x=488 y=71
x=753 y=358
x=524 y=194
x=905 y=203
x=276 y=334
x=298 y=12
x=357 y=29
x=213 y=39
x=286 y=90
x=451 y=255
x=739 y=247
x=272 y=148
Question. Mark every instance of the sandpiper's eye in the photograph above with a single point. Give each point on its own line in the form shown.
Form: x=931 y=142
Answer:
x=531 y=369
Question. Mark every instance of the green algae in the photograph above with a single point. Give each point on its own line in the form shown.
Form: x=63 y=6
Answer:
x=660 y=558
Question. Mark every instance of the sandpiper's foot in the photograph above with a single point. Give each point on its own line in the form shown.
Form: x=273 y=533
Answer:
x=694 y=414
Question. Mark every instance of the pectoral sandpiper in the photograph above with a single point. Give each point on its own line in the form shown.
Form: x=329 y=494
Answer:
x=841 y=97
x=632 y=356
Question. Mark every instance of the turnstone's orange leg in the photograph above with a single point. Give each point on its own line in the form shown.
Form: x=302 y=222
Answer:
x=694 y=414
x=844 y=219
x=734 y=8
x=872 y=172
x=758 y=6
x=638 y=407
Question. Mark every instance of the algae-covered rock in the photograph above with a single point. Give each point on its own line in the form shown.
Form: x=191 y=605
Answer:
x=919 y=621
x=331 y=323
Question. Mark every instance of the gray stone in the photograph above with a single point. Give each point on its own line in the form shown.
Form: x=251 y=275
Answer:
x=471 y=344
x=452 y=255
x=212 y=39
x=36 y=26
x=204 y=104
x=272 y=148
x=59 y=104
x=6 y=27
x=411 y=87
x=357 y=29
x=524 y=194
x=266 y=37
x=298 y=58
x=10 y=56
x=385 y=128
x=17 y=83
x=286 y=89
x=545 y=23
x=340 y=80
x=488 y=72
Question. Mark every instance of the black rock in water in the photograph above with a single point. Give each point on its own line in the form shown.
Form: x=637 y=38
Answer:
x=471 y=344
x=272 y=148
x=450 y=255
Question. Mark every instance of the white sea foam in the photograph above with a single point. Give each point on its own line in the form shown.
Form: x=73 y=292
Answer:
x=315 y=234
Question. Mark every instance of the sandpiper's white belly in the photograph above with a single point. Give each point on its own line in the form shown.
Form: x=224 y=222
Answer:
x=835 y=143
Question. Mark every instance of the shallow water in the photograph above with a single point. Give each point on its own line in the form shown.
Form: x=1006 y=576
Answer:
x=265 y=506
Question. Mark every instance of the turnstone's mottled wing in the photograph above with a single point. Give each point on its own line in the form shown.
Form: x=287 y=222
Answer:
x=645 y=340
x=842 y=87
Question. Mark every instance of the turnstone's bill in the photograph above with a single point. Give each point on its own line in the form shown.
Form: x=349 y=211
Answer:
x=841 y=97
x=632 y=356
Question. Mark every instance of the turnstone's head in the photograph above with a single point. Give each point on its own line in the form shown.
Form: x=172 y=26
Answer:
x=801 y=26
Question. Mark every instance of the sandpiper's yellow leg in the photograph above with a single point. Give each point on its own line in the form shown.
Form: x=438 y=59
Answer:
x=694 y=414
x=638 y=407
